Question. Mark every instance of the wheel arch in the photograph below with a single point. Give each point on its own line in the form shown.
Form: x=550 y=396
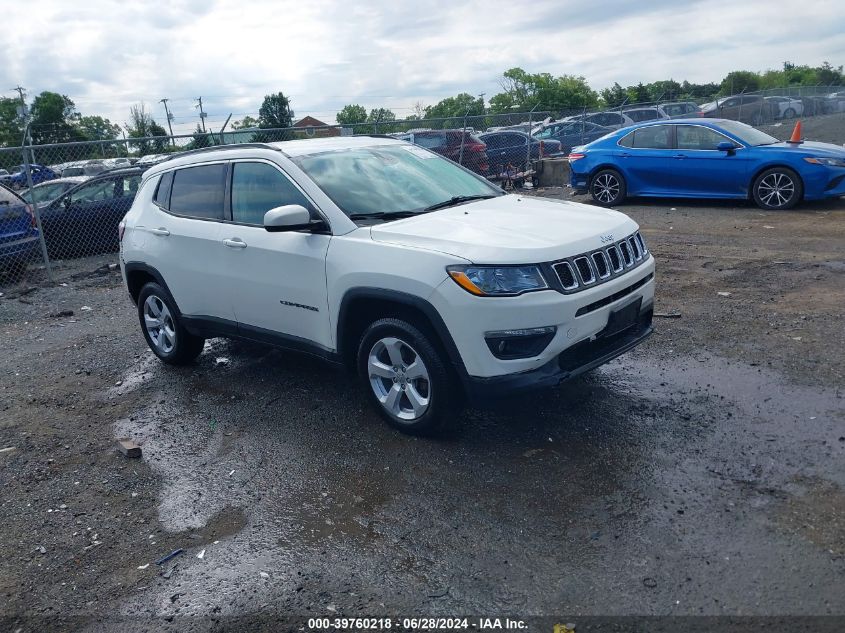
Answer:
x=760 y=170
x=361 y=306
x=138 y=275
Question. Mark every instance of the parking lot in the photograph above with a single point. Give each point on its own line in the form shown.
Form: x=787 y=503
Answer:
x=699 y=474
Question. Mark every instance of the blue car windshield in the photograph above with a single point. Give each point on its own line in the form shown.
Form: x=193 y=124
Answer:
x=747 y=134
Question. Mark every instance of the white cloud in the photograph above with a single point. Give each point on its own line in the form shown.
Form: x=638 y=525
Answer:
x=108 y=55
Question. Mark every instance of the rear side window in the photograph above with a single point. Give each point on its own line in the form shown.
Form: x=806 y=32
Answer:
x=653 y=137
x=198 y=192
x=162 y=195
x=257 y=188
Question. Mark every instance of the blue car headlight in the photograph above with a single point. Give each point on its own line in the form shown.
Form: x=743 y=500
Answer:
x=498 y=281
x=830 y=162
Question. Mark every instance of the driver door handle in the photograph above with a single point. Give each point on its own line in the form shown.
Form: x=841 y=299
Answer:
x=234 y=242
x=679 y=156
x=160 y=231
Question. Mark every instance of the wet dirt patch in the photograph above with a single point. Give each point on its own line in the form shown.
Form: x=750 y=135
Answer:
x=816 y=512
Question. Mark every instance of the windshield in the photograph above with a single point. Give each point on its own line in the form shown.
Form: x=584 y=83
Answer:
x=390 y=179
x=747 y=134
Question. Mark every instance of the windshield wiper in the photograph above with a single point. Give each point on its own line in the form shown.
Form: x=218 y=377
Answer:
x=379 y=215
x=457 y=200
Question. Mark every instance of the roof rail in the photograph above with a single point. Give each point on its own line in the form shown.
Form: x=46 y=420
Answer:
x=214 y=148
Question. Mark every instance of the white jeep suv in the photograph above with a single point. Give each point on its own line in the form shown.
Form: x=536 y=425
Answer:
x=434 y=285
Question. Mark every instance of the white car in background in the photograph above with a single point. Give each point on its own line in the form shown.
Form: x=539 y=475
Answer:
x=787 y=107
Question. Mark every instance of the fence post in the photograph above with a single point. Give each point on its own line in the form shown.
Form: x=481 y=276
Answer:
x=34 y=204
x=463 y=136
x=530 y=126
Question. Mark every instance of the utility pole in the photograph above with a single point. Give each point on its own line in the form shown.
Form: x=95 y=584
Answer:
x=21 y=92
x=169 y=119
x=202 y=112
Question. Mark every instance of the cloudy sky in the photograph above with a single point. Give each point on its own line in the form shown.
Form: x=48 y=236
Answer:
x=107 y=55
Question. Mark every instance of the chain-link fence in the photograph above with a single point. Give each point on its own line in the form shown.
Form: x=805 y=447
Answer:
x=61 y=204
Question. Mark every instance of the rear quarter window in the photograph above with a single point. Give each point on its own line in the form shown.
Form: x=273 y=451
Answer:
x=162 y=194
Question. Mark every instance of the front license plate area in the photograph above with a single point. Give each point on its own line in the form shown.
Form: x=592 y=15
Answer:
x=622 y=318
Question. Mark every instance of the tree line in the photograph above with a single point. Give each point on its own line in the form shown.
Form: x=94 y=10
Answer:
x=55 y=119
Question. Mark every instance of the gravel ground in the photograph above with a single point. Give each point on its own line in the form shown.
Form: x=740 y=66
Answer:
x=700 y=474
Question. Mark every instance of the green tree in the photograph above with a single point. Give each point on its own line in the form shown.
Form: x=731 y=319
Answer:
x=246 y=123
x=827 y=74
x=457 y=106
x=11 y=131
x=638 y=94
x=275 y=112
x=522 y=91
x=200 y=139
x=381 y=119
x=142 y=125
x=739 y=81
x=53 y=119
x=351 y=114
x=96 y=128
x=613 y=96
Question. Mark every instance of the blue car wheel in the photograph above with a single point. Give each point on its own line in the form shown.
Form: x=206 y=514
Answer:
x=777 y=188
x=608 y=188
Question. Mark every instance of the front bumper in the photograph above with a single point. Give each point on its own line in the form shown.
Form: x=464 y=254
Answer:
x=572 y=362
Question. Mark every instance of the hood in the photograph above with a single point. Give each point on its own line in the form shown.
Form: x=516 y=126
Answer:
x=510 y=229
x=811 y=148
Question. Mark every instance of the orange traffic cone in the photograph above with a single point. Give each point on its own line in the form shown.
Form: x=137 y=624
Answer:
x=796 y=134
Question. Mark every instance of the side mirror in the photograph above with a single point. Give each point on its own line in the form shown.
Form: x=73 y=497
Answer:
x=66 y=202
x=726 y=146
x=290 y=217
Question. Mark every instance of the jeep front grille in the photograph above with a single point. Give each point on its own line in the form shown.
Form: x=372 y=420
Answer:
x=576 y=273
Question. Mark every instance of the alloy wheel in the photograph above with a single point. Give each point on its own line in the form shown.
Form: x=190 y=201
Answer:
x=159 y=324
x=776 y=189
x=606 y=188
x=399 y=379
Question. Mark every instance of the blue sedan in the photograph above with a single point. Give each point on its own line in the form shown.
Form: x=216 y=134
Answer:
x=713 y=158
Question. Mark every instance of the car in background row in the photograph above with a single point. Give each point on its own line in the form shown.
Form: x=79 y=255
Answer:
x=18 y=233
x=18 y=179
x=45 y=192
x=645 y=113
x=835 y=102
x=571 y=133
x=679 y=109
x=610 y=119
x=448 y=143
x=84 y=220
x=697 y=158
x=152 y=159
x=787 y=107
x=512 y=148
x=751 y=109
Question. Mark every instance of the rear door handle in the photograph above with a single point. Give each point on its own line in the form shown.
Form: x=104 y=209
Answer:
x=234 y=242
x=679 y=156
x=160 y=231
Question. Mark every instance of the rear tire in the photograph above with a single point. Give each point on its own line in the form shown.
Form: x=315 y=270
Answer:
x=162 y=327
x=608 y=188
x=406 y=379
x=778 y=189
x=789 y=114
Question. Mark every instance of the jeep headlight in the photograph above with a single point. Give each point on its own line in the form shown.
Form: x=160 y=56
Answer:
x=498 y=281
x=830 y=162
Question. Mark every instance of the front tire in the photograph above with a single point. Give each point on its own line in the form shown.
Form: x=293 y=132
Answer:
x=778 y=188
x=608 y=188
x=162 y=327
x=406 y=378
x=789 y=114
